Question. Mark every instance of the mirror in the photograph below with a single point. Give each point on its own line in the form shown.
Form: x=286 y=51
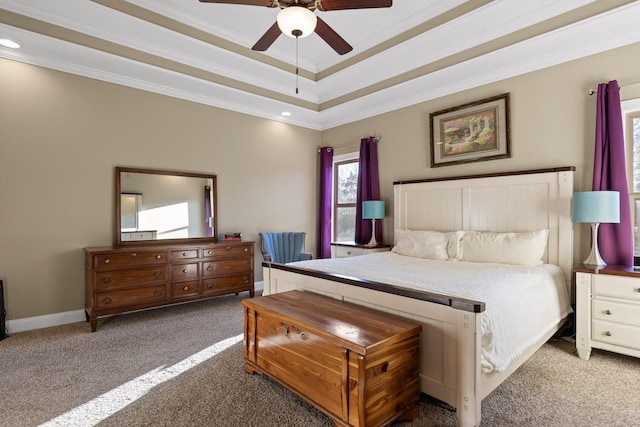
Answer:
x=157 y=206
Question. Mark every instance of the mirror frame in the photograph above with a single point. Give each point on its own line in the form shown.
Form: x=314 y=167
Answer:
x=194 y=240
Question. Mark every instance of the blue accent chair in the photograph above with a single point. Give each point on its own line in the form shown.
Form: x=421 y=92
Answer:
x=284 y=247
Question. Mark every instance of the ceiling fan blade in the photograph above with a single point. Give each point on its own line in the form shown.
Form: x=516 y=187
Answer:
x=354 y=4
x=245 y=2
x=268 y=38
x=332 y=38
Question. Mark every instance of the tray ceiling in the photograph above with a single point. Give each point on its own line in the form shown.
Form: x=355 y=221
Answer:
x=411 y=52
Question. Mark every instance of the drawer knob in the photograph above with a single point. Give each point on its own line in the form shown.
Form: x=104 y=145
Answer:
x=134 y=254
x=106 y=300
x=157 y=292
x=227 y=248
x=107 y=261
x=209 y=267
x=157 y=273
x=209 y=252
x=246 y=249
x=607 y=312
x=608 y=333
x=106 y=279
x=186 y=288
x=158 y=256
x=184 y=270
x=209 y=285
x=245 y=280
x=184 y=254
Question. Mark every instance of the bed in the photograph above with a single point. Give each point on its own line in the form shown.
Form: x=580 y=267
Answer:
x=457 y=365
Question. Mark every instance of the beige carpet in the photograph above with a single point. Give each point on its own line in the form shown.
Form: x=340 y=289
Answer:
x=138 y=361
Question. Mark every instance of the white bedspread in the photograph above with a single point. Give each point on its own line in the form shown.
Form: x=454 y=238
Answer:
x=522 y=302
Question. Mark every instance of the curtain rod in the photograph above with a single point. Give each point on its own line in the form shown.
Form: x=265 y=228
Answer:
x=375 y=138
x=594 y=91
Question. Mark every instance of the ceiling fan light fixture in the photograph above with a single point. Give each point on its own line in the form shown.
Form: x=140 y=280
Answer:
x=297 y=21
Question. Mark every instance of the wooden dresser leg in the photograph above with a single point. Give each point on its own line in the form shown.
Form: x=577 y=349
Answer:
x=94 y=324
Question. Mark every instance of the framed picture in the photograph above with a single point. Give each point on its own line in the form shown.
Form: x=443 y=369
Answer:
x=472 y=132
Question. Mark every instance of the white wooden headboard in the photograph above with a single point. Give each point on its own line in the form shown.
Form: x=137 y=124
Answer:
x=513 y=201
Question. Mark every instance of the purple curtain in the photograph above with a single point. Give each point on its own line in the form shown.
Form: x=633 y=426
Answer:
x=324 y=203
x=368 y=189
x=208 y=224
x=615 y=241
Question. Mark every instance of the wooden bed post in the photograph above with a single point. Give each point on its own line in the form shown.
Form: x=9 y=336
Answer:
x=469 y=396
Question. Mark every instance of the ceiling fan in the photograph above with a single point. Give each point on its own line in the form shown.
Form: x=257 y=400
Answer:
x=296 y=19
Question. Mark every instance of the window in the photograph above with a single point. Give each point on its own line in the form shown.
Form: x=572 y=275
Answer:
x=345 y=184
x=632 y=136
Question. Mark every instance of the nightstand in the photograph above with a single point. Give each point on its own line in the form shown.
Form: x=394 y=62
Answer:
x=608 y=310
x=348 y=249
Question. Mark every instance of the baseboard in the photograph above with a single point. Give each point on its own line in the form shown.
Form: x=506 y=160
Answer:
x=56 y=319
x=45 y=321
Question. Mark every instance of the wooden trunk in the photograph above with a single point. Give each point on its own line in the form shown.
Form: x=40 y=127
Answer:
x=357 y=365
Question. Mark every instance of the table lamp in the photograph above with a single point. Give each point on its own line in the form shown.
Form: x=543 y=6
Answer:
x=596 y=207
x=373 y=209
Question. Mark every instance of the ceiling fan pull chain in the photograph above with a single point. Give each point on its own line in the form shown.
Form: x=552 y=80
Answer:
x=297 y=72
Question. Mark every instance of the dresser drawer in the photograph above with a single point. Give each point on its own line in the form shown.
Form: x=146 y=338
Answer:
x=295 y=356
x=129 y=297
x=184 y=272
x=230 y=266
x=128 y=258
x=227 y=251
x=616 y=286
x=184 y=254
x=116 y=279
x=184 y=289
x=614 y=311
x=217 y=284
x=616 y=334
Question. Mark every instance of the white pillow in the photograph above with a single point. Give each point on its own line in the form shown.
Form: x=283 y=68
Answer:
x=422 y=244
x=505 y=248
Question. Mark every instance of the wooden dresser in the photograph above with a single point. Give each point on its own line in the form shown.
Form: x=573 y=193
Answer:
x=608 y=310
x=122 y=279
x=357 y=365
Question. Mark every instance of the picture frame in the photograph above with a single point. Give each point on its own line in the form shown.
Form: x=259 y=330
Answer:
x=473 y=132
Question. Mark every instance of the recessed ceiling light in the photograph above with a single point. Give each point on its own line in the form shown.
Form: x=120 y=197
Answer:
x=285 y=113
x=9 y=43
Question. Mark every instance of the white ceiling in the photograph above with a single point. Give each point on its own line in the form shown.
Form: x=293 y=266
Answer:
x=414 y=51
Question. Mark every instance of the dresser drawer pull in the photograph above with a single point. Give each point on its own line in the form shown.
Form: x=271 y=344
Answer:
x=186 y=288
x=106 y=279
x=157 y=273
x=184 y=270
x=608 y=333
x=184 y=254
x=134 y=254
x=245 y=280
x=107 y=261
x=209 y=252
x=158 y=256
x=227 y=248
x=246 y=249
x=157 y=292
x=209 y=267
x=209 y=285
x=607 y=312
x=106 y=300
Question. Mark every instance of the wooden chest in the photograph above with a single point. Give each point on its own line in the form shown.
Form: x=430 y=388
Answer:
x=357 y=365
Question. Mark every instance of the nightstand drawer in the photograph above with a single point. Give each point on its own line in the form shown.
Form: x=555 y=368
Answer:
x=616 y=334
x=616 y=286
x=347 y=251
x=613 y=311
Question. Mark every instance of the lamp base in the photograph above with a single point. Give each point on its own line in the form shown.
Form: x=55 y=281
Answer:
x=594 y=259
x=373 y=241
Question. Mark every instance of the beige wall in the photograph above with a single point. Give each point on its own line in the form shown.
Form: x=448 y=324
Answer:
x=552 y=124
x=62 y=135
